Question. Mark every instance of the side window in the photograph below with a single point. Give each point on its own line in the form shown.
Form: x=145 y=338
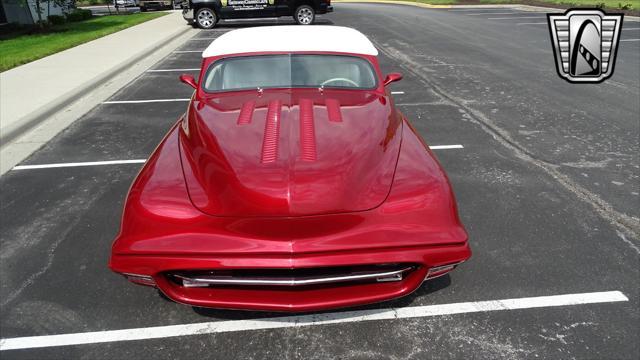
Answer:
x=214 y=79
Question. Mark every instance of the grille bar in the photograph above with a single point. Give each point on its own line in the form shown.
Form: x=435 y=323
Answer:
x=207 y=280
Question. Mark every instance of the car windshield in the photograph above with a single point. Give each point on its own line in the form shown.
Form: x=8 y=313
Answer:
x=290 y=70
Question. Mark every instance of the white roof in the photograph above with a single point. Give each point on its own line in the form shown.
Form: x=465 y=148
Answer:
x=291 y=38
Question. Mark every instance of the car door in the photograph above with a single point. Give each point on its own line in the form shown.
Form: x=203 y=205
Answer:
x=284 y=7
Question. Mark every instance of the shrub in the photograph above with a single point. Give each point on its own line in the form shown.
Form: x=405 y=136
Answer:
x=627 y=6
x=57 y=19
x=92 y=2
x=79 y=15
x=74 y=16
x=86 y=14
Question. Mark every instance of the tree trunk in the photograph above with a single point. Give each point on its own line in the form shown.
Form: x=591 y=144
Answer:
x=39 y=11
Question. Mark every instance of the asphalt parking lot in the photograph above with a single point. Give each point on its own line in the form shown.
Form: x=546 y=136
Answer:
x=545 y=175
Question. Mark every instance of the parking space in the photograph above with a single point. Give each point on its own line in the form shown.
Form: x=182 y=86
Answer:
x=538 y=19
x=545 y=178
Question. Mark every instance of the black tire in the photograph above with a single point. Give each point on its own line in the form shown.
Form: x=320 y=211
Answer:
x=206 y=18
x=143 y=9
x=304 y=15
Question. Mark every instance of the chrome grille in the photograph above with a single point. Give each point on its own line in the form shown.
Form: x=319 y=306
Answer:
x=292 y=277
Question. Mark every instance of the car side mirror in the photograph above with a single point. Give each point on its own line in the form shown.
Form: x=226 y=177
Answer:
x=392 y=77
x=189 y=80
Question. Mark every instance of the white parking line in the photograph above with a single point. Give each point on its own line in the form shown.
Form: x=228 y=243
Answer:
x=515 y=17
x=630 y=29
x=143 y=101
x=445 y=147
x=298 y=321
x=171 y=70
x=397 y=92
x=140 y=161
x=630 y=40
x=76 y=164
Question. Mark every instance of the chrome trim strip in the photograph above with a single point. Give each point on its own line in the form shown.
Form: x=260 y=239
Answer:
x=395 y=275
x=435 y=269
x=138 y=276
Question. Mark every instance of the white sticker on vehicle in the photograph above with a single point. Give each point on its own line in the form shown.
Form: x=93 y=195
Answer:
x=247 y=4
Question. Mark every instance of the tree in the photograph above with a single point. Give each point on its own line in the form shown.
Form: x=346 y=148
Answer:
x=64 y=4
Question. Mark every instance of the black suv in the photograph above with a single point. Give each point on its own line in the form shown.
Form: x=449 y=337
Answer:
x=206 y=13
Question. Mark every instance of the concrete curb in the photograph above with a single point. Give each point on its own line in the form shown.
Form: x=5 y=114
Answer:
x=27 y=122
x=430 y=6
x=29 y=137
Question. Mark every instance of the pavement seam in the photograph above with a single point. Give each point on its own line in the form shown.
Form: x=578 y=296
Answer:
x=627 y=224
x=50 y=255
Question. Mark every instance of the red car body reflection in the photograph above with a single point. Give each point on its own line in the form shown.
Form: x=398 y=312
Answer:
x=284 y=189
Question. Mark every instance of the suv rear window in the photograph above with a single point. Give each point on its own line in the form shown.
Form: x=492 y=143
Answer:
x=288 y=71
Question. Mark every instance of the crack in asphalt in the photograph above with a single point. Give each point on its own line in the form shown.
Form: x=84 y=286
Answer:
x=50 y=253
x=623 y=222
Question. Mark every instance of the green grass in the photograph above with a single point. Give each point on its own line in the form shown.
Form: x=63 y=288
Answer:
x=29 y=47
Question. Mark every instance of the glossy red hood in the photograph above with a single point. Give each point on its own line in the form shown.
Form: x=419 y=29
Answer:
x=289 y=152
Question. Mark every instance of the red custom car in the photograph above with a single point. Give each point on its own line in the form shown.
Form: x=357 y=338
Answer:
x=292 y=183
